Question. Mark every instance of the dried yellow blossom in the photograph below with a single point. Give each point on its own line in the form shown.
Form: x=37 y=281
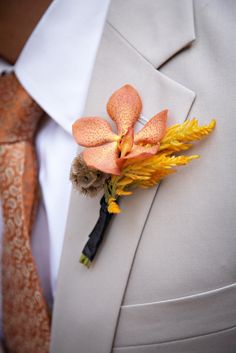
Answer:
x=113 y=206
x=122 y=192
x=179 y=136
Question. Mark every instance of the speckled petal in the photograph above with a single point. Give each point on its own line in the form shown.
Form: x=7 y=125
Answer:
x=127 y=142
x=142 y=151
x=153 y=131
x=90 y=132
x=124 y=107
x=103 y=158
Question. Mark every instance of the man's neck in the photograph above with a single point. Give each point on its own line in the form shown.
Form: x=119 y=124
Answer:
x=17 y=21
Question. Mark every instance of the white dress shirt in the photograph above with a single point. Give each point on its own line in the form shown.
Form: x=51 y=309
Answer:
x=55 y=67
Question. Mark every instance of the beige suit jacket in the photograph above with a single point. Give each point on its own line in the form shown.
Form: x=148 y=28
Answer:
x=164 y=281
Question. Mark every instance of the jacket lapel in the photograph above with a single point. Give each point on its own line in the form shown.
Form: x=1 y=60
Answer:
x=88 y=301
x=156 y=29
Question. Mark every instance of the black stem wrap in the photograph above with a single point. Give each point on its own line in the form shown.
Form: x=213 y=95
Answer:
x=97 y=234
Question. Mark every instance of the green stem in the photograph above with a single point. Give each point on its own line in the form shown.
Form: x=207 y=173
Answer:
x=85 y=260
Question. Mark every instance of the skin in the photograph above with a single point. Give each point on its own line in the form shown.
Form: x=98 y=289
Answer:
x=18 y=18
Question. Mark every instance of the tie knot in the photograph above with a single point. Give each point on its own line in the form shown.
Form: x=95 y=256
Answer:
x=19 y=113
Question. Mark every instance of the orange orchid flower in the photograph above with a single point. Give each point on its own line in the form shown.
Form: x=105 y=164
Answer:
x=106 y=150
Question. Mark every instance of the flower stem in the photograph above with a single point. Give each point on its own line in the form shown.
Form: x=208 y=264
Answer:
x=85 y=260
x=97 y=235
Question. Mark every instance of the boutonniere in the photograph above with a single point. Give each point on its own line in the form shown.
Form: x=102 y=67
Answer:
x=118 y=162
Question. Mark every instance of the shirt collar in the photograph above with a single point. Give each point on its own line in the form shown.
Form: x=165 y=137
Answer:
x=56 y=63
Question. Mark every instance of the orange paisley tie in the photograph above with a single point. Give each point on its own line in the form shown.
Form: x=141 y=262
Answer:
x=25 y=313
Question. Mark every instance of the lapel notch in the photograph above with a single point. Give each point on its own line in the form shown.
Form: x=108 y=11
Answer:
x=157 y=29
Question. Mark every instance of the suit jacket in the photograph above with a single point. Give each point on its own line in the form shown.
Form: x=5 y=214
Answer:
x=164 y=281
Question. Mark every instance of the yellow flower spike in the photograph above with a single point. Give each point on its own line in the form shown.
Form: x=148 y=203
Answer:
x=162 y=166
x=113 y=207
x=124 y=181
x=179 y=136
x=121 y=192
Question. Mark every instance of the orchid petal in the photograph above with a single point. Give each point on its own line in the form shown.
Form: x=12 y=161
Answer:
x=142 y=151
x=153 y=131
x=103 y=158
x=127 y=142
x=90 y=132
x=124 y=107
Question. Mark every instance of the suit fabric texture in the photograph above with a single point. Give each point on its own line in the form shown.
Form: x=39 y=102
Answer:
x=164 y=281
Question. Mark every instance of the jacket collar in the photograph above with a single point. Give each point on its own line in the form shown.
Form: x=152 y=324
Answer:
x=156 y=29
x=88 y=301
x=56 y=64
